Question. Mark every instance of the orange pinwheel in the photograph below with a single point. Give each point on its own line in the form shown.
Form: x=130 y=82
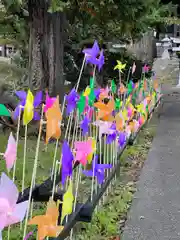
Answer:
x=119 y=122
x=132 y=126
x=47 y=224
x=145 y=85
x=155 y=84
x=54 y=117
x=122 y=89
x=148 y=99
x=105 y=110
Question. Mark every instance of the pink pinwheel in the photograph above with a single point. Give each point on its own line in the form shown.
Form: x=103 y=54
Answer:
x=10 y=212
x=11 y=152
x=49 y=102
x=128 y=131
x=22 y=96
x=83 y=149
x=146 y=68
x=130 y=112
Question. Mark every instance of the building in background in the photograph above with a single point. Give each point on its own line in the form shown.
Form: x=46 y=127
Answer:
x=7 y=50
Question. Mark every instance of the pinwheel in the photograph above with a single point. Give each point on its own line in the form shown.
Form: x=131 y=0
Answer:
x=67 y=162
x=146 y=68
x=11 y=152
x=85 y=125
x=28 y=108
x=36 y=102
x=91 y=53
x=49 y=102
x=120 y=66
x=93 y=144
x=81 y=104
x=133 y=67
x=122 y=139
x=72 y=99
x=111 y=138
x=141 y=120
x=47 y=224
x=155 y=85
x=10 y=211
x=105 y=110
x=118 y=103
x=4 y=111
x=113 y=86
x=99 y=62
x=104 y=127
x=53 y=118
x=98 y=170
x=87 y=91
x=83 y=149
x=122 y=89
x=119 y=122
x=104 y=93
x=67 y=205
x=91 y=97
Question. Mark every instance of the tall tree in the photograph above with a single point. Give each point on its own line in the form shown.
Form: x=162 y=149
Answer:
x=51 y=23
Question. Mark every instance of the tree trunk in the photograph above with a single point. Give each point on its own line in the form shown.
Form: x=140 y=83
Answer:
x=47 y=48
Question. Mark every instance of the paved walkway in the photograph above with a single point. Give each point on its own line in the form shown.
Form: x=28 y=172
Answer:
x=155 y=211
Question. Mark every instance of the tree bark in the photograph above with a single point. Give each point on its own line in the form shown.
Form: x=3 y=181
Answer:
x=46 y=62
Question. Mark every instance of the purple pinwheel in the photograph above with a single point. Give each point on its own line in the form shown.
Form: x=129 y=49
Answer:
x=85 y=125
x=67 y=161
x=72 y=99
x=97 y=93
x=99 y=62
x=97 y=170
x=22 y=96
x=91 y=52
x=113 y=127
x=111 y=138
x=122 y=139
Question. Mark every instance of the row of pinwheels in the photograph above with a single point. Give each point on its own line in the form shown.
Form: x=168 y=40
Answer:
x=114 y=114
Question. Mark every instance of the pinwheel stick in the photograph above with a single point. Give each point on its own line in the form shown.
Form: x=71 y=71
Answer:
x=81 y=71
x=34 y=172
x=17 y=139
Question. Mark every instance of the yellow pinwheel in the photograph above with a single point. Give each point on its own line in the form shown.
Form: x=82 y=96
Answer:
x=68 y=199
x=87 y=92
x=125 y=114
x=120 y=66
x=90 y=156
x=28 y=108
x=140 y=108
